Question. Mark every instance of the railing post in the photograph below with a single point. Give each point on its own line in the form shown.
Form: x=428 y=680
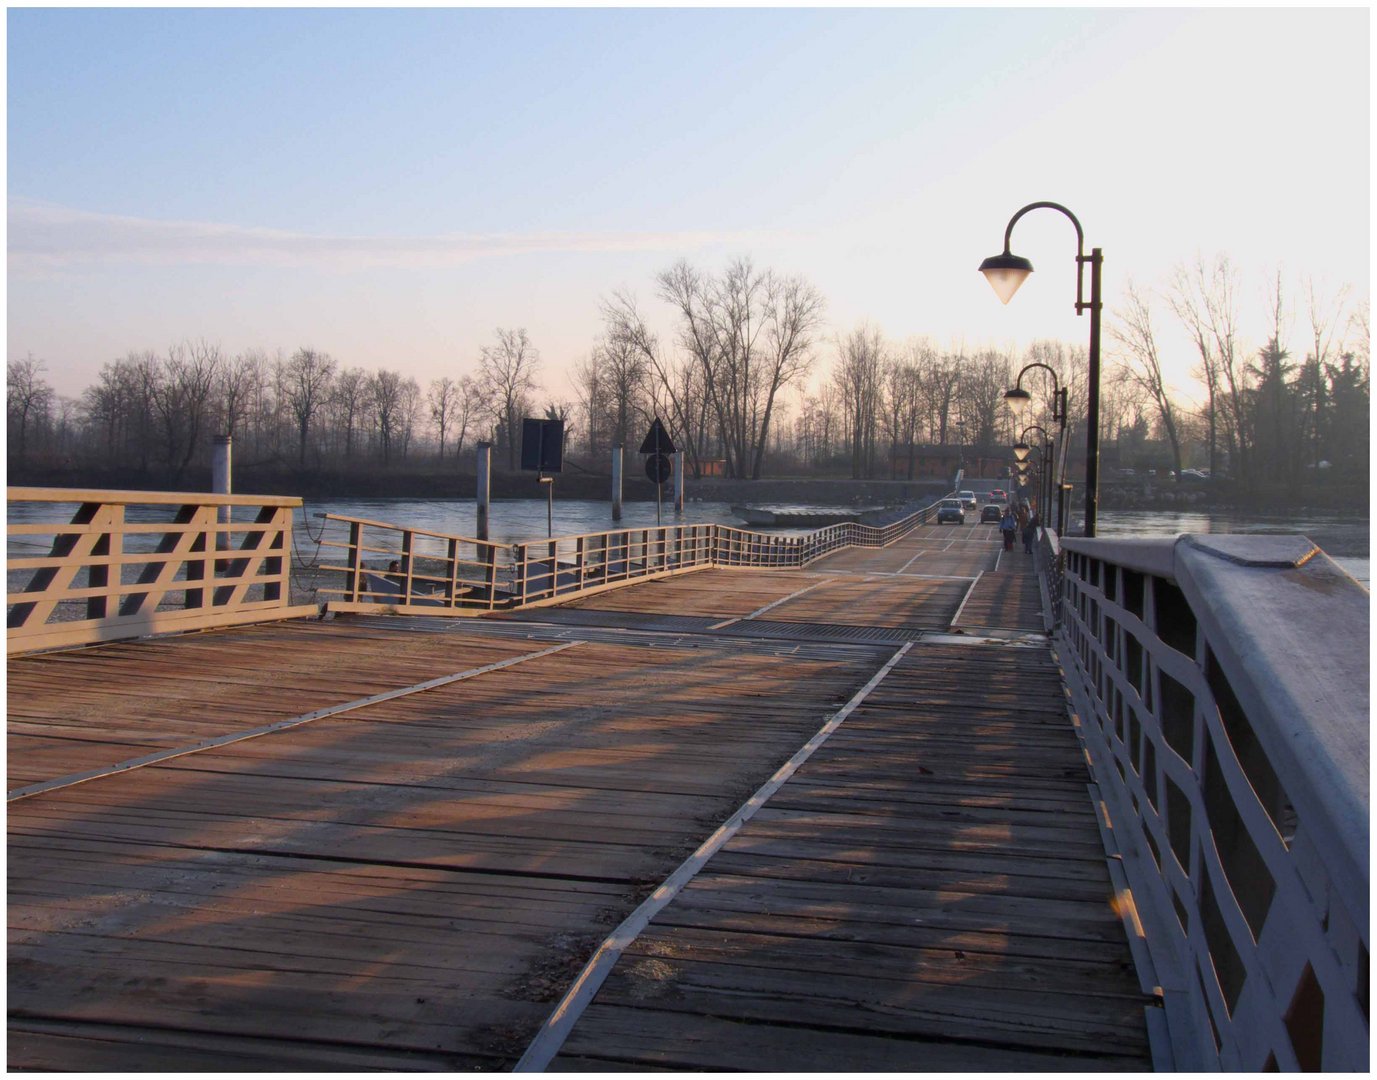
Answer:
x=484 y=491
x=618 y=452
x=519 y=585
x=407 y=543
x=355 y=561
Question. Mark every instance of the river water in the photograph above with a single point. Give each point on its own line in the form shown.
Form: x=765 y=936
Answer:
x=1344 y=537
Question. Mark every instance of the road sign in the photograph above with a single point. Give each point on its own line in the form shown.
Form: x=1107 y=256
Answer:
x=657 y=467
x=542 y=445
x=657 y=440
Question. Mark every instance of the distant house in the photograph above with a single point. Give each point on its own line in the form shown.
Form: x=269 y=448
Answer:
x=712 y=467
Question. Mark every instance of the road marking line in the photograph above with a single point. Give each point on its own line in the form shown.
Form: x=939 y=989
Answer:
x=767 y=607
x=280 y=725
x=560 y=1023
x=962 y=606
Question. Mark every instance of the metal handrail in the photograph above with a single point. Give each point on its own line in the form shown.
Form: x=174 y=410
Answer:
x=1221 y=685
x=440 y=573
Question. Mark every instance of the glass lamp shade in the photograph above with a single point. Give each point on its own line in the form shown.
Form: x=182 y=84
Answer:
x=1021 y=450
x=1018 y=401
x=1006 y=273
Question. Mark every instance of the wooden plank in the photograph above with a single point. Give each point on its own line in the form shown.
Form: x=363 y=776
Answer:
x=693 y=1041
x=346 y=884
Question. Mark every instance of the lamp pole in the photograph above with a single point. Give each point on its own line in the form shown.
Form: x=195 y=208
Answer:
x=1047 y=462
x=1006 y=272
x=1018 y=400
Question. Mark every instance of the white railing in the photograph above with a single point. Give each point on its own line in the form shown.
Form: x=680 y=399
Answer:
x=416 y=571
x=88 y=566
x=1222 y=689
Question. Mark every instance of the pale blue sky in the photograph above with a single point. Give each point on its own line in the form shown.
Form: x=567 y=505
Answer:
x=391 y=185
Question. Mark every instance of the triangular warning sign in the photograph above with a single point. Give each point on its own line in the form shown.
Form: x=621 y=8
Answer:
x=657 y=440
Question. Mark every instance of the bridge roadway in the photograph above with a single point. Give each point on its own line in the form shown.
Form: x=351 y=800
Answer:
x=394 y=843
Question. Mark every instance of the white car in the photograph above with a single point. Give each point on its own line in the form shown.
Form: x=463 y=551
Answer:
x=967 y=499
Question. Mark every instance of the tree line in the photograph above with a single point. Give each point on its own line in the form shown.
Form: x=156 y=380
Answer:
x=750 y=382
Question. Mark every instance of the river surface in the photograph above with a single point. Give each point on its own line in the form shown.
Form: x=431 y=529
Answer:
x=1342 y=536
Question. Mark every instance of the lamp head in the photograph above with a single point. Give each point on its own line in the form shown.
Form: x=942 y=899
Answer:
x=1021 y=450
x=1006 y=273
x=1018 y=400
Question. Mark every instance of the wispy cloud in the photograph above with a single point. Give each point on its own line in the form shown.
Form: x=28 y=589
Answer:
x=45 y=237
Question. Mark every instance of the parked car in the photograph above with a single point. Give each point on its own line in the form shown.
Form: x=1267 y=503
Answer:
x=951 y=510
x=991 y=512
x=967 y=499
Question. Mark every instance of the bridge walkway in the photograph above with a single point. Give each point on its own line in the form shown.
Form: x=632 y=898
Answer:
x=393 y=843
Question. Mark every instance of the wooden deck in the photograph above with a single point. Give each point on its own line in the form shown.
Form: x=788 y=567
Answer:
x=393 y=843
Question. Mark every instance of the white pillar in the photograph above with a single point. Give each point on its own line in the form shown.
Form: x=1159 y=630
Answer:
x=221 y=482
x=484 y=487
x=678 y=482
x=618 y=452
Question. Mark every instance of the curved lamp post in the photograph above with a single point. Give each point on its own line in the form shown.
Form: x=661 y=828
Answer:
x=1018 y=400
x=1006 y=272
x=1047 y=463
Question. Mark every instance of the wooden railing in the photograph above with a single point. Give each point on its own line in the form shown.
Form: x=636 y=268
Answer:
x=88 y=566
x=417 y=571
x=1221 y=687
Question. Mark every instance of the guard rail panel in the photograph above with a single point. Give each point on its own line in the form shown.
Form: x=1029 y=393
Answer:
x=1223 y=691
x=87 y=566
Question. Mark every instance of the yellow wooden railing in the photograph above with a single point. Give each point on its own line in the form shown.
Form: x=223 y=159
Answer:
x=87 y=566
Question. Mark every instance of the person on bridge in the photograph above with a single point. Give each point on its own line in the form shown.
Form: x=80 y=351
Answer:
x=1030 y=532
x=1007 y=524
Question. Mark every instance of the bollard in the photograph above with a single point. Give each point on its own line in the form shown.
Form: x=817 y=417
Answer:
x=618 y=452
x=221 y=481
x=484 y=496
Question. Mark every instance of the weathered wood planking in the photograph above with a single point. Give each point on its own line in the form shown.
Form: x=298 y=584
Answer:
x=929 y=892
x=722 y=593
x=1007 y=597
x=405 y=886
x=901 y=602
x=91 y=708
x=958 y=550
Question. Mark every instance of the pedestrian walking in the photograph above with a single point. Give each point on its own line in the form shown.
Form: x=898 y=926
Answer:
x=1008 y=524
x=1030 y=532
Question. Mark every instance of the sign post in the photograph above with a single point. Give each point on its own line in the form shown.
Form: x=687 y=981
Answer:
x=659 y=446
x=542 y=451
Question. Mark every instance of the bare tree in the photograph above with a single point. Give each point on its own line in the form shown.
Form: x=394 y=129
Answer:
x=443 y=399
x=385 y=397
x=239 y=384
x=350 y=395
x=1133 y=330
x=507 y=370
x=28 y=398
x=750 y=333
x=305 y=388
x=857 y=377
x=1187 y=299
x=675 y=389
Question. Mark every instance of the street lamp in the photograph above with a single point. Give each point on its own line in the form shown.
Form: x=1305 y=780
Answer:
x=1018 y=400
x=1005 y=273
x=1047 y=464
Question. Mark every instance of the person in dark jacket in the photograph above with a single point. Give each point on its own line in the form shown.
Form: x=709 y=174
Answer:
x=1030 y=532
x=1008 y=524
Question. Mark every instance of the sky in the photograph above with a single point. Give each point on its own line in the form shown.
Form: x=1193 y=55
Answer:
x=391 y=186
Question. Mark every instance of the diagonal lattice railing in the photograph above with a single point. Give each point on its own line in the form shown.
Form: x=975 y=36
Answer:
x=1221 y=688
